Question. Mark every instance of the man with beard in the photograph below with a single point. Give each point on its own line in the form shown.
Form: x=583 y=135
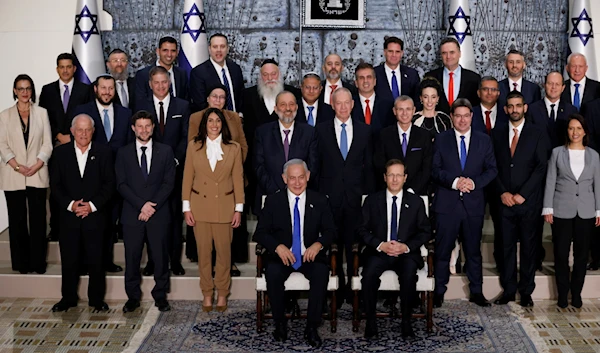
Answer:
x=280 y=141
x=515 y=65
x=117 y=65
x=520 y=148
x=332 y=68
x=112 y=129
x=394 y=79
x=365 y=110
x=145 y=173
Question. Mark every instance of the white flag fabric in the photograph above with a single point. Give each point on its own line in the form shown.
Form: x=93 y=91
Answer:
x=87 y=45
x=459 y=27
x=194 y=42
x=581 y=35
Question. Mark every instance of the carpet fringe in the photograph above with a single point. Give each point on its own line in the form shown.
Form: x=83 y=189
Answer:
x=532 y=333
x=149 y=321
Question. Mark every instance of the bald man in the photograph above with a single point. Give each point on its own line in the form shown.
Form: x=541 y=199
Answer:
x=332 y=69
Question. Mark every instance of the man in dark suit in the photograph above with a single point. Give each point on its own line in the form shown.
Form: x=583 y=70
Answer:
x=393 y=242
x=296 y=227
x=113 y=130
x=370 y=107
x=279 y=141
x=394 y=79
x=345 y=174
x=463 y=165
x=166 y=52
x=172 y=116
x=332 y=68
x=83 y=183
x=145 y=173
x=217 y=70
x=579 y=88
x=489 y=113
x=313 y=111
x=515 y=65
x=452 y=75
x=521 y=155
x=408 y=143
x=117 y=65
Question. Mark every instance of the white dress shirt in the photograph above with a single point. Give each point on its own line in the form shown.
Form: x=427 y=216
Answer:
x=364 y=104
x=389 y=201
x=511 y=84
x=314 y=112
x=493 y=114
x=337 y=124
x=456 y=79
x=166 y=102
x=511 y=132
x=269 y=104
x=219 y=69
x=467 y=136
x=327 y=96
x=82 y=158
x=388 y=74
x=549 y=108
x=111 y=115
x=214 y=152
x=61 y=85
x=138 y=149
x=281 y=128
x=301 y=209
x=581 y=89
x=171 y=77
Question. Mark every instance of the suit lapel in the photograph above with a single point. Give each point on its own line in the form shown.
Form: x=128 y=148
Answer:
x=135 y=159
x=566 y=159
x=220 y=167
x=154 y=160
x=333 y=140
x=588 y=163
x=308 y=210
x=382 y=210
x=90 y=162
x=296 y=136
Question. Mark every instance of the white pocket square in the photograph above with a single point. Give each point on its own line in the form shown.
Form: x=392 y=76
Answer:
x=176 y=116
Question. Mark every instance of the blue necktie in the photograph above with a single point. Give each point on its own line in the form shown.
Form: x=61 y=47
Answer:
x=144 y=163
x=66 y=97
x=395 y=89
x=344 y=142
x=226 y=84
x=311 y=119
x=394 y=226
x=296 y=239
x=107 y=125
x=463 y=153
x=576 y=97
x=404 y=144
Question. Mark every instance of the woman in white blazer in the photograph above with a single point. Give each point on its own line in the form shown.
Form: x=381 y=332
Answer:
x=25 y=148
x=572 y=207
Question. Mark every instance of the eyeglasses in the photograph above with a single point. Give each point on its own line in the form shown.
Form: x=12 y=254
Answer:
x=214 y=96
x=395 y=176
x=461 y=116
x=117 y=61
x=489 y=89
x=312 y=88
x=23 y=89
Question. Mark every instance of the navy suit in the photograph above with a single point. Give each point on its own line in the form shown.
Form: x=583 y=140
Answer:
x=478 y=123
x=382 y=114
x=591 y=92
x=591 y=113
x=324 y=113
x=51 y=99
x=142 y=86
x=409 y=83
x=204 y=76
x=455 y=211
x=530 y=91
x=469 y=82
x=556 y=130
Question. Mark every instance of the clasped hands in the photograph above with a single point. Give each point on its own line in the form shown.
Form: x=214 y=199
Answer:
x=147 y=211
x=393 y=248
x=30 y=171
x=509 y=200
x=82 y=209
x=288 y=258
x=465 y=185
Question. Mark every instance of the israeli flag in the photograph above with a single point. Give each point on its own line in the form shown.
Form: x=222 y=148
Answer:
x=87 y=45
x=459 y=27
x=194 y=42
x=581 y=35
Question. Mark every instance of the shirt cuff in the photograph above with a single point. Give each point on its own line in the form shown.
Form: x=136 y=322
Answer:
x=94 y=209
x=379 y=247
x=9 y=157
x=176 y=162
x=43 y=157
x=597 y=213
x=69 y=208
x=547 y=211
x=472 y=182
x=454 y=184
x=239 y=207
x=185 y=206
x=407 y=249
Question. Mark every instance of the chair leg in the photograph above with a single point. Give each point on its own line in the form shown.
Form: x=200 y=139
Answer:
x=355 y=313
x=333 y=312
x=259 y=312
x=429 y=311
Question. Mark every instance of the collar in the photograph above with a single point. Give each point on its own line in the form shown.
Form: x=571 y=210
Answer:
x=388 y=194
x=518 y=127
x=389 y=70
x=338 y=83
x=306 y=105
x=101 y=107
x=338 y=122
x=363 y=98
x=582 y=82
x=548 y=103
x=139 y=145
x=170 y=70
x=70 y=83
x=165 y=101
x=519 y=83
x=493 y=110
x=216 y=64
x=292 y=196
x=402 y=131
x=216 y=141
x=84 y=152
x=281 y=127
x=456 y=71
x=467 y=134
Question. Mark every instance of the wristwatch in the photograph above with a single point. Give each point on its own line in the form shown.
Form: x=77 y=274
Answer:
x=17 y=168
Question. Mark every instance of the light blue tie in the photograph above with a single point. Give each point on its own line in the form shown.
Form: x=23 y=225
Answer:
x=107 y=125
x=297 y=239
x=344 y=142
x=311 y=119
x=395 y=89
x=576 y=97
x=463 y=153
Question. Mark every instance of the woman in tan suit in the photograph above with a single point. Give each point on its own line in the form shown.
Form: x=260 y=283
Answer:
x=213 y=199
x=25 y=148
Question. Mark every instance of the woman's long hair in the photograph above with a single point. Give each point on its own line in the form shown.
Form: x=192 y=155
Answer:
x=203 y=130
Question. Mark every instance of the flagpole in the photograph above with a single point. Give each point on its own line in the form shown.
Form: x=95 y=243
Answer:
x=300 y=10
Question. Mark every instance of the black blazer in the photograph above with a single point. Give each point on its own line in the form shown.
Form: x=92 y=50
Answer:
x=525 y=172
x=352 y=177
x=591 y=113
x=346 y=84
x=530 y=91
x=591 y=92
x=382 y=114
x=409 y=83
x=469 y=82
x=555 y=130
x=142 y=86
x=177 y=122
x=130 y=90
x=414 y=228
x=122 y=133
x=324 y=113
x=51 y=100
x=478 y=123
x=136 y=191
x=275 y=226
x=417 y=163
x=204 y=76
x=96 y=186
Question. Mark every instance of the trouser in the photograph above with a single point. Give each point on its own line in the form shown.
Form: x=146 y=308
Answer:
x=347 y=219
x=220 y=235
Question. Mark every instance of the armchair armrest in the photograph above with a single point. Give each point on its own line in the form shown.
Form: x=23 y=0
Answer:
x=259 y=251
x=333 y=258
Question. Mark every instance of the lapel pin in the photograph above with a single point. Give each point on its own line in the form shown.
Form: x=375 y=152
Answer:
x=311 y=206
x=93 y=157
x=405 y=75
x=406 y=205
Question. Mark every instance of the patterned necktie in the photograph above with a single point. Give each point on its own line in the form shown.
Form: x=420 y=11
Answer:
x=395 y=89
x=333 y=87
x=488 y=122
x=226 y=84
x=311 y=118
x=404 y=144
x=144 y=163
x=124 y=99
x=344 y=142
x=161 y=115
x=451 y=88
x=514 y=142
x=286 y=144
x=463 y=153
x=394 y=224
x=66 y=97
x=576 y=97
x=516 y=86
x=107 y=129
x=367 y=112
x=297 y=239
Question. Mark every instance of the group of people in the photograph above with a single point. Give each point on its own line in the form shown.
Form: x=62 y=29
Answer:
x=141 y=156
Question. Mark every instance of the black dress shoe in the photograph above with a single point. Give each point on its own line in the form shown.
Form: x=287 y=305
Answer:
x=131 y=305
x=480 y=300
x=113 y=268
x=149 y=269
x=371 y=329
x=281 y=333
x=101 y=306
x=162 y=305
x=63 y=306
x=593 y=266
x=312 y=336
x=576 y=301
x=40 y=271
x=177 y=269
x=526 y=301
x=438 y=300
x=235 y=271
x=504 y=299
x=407 y=330
x=562 y=302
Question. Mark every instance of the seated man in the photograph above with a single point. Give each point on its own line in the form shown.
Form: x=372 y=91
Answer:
x=296 y=227
x=393 y=243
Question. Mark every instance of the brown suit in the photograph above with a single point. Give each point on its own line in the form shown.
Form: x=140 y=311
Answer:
x=234 y=123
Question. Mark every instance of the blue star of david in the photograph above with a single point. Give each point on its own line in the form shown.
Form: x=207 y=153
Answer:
x=195 y=33
x=576 y=33
x=460 y=15
x=85 y=13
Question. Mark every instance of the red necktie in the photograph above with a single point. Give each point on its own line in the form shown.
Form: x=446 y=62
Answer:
x=367 y=113
x=488 y=122
x=451 y=89
x=333 y=87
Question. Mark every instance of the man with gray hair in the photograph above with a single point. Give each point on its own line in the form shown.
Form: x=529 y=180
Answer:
x=84 y=208
x=579 y=89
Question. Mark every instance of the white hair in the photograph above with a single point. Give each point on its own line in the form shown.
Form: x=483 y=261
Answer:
x=74 y=121
x=294 y=161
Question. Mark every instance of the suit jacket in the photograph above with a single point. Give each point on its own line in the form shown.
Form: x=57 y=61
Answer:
x=414 y=228
x=130 y=90
x=409 y=83
x=269 y=156
x=51 y=99
x=324 y=113
x=234 y=123
x=136 y=191
x=122 y=133
x=568 y=196
x=346 y=84
x=12 y=145
x=478 y=123
x=204 y=76
x=382 y=114
x=591 y=113
x=525 y=172
x=345 y=180
x=480 y=167
x=417 y=163
x=96 y=186
x=177 y=121
x=530 y=91
x=275 y=226
x=213 y=195
x=469 y=82
x=591 y=92
x=557 y=130
x=142 y=87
